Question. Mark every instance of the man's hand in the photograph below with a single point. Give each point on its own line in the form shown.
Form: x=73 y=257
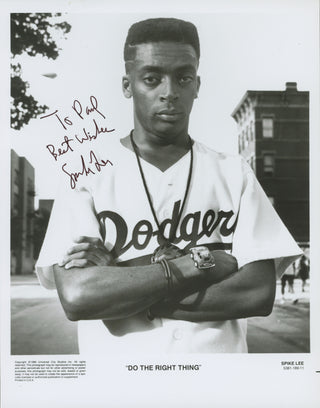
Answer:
x=166 y=251
x=87 y=251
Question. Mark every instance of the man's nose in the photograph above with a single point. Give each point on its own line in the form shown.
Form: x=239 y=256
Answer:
x=169 y=90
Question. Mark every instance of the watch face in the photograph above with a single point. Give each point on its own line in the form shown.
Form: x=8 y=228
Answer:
x=202 y=257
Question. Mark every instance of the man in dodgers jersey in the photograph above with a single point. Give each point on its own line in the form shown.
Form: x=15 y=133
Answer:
x=171 y=248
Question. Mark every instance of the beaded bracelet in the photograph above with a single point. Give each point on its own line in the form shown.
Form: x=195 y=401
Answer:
x=168 y=274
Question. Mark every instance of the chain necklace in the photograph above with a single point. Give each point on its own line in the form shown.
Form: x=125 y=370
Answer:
x=166 y=241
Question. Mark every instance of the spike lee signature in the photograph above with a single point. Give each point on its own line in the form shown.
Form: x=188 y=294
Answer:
x=86 y=169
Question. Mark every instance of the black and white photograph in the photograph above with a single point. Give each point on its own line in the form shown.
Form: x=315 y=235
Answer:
x=161 y=204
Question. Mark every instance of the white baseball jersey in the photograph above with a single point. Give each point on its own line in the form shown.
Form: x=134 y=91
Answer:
x=226 y=209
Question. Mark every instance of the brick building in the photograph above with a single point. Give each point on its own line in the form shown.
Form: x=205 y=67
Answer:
x=273 y=130
x=22 y=215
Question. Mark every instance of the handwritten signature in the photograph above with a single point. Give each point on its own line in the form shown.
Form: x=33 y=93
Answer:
x=85 y=170
x=69 y=144
x=77 y=107
x=66 y=144
x=66 y=148
x=98 y=131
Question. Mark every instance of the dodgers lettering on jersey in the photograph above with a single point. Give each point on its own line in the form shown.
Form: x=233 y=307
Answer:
x=193 y=227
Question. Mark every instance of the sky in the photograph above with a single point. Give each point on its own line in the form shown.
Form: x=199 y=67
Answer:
x=258 y=50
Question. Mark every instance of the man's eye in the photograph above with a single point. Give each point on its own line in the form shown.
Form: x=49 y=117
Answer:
x=151 y=80
x=186 y=79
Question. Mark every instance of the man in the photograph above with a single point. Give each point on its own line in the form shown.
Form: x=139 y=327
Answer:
x=288 y=276
x=176 y=243
x=303 y=270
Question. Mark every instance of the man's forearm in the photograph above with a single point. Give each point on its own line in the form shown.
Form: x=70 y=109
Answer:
x=113 y=292
x=249 y=292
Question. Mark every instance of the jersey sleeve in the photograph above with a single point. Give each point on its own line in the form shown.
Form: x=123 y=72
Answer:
x=260 y=233
x=73 y=215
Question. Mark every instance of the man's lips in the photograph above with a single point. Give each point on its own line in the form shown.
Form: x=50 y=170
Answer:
x=169 y=115
x=169 y=111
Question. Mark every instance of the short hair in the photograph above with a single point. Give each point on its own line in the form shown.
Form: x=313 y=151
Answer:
x=161 y=29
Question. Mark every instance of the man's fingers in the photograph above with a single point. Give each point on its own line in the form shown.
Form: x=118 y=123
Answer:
x=78 y=263
x=91 y=240
x=79 y=247
x=86 y=249
x=91 y=256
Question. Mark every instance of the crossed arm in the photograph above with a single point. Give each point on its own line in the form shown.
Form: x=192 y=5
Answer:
x=91 y=287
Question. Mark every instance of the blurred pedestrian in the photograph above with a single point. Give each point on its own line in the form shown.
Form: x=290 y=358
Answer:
x=303 y=271
x=288 y=276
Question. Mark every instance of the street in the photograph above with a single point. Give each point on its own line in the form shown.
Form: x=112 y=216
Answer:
x=39 y=326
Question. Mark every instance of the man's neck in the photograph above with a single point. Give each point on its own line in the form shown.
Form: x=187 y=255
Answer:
x=159 y=152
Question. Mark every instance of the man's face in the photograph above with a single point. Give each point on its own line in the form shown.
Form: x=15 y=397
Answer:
x=163 y=81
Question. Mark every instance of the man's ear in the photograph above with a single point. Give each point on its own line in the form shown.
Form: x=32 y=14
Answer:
x=198 y=86
x=126 y=86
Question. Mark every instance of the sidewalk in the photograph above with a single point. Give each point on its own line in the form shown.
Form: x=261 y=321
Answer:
x=287 y=329
x=24 y=280
x=298 y=295
x=28 y=287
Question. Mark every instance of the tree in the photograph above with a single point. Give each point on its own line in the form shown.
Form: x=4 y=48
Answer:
x=33 y=34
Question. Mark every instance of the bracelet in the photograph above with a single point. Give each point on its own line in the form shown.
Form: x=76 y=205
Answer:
x=168 y=274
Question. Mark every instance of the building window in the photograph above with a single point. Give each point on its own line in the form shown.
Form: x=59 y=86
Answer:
x=16 y=203
x=267 y=127
x=247 y=137
x=268 y=164
x=242 y=140
x=251 y=131
x=29 y=216
x=16 y=177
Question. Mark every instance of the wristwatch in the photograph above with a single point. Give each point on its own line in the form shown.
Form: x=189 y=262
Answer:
x=202 y=257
